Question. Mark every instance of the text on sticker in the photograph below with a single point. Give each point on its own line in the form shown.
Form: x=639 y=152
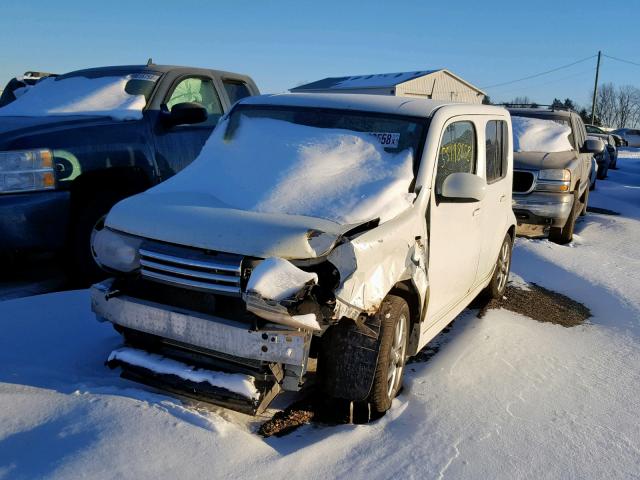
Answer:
x=387 y=139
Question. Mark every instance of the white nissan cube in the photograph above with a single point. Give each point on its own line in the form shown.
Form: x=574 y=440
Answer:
x=318 y=239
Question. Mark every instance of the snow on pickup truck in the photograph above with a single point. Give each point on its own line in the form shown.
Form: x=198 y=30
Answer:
x=316 y=239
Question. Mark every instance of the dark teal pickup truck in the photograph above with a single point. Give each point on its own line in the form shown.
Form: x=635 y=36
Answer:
x=73 y=145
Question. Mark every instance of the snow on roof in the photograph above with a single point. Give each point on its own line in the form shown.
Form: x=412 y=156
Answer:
x=274 y=166
x=416 y=107
x=101 y=96
x=540 y=135
x=378 y=80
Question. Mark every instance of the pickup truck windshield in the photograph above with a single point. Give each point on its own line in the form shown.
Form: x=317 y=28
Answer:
x=122 y=97
x=339 y=165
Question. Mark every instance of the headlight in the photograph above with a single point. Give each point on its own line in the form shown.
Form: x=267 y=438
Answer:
x=554 y=180
x=26 y=170
x=116 y=251
x=555 y=174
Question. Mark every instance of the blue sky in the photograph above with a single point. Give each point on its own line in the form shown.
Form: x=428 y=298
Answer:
x=282 y=44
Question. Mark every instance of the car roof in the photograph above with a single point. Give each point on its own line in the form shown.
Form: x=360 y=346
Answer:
x=151 y=68
x=539 y=111
x=414 y=107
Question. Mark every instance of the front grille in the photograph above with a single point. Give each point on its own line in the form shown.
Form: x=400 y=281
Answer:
x=191 y=269
x=522 y=181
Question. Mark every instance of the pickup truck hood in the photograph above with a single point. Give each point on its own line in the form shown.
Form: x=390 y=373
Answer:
x=201 y=220
x=12 y=128
x=542 y=160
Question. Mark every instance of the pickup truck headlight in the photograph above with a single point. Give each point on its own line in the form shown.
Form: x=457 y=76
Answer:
x=26 y=171
x=116 y=251
x=554 y=180
x=555 y=174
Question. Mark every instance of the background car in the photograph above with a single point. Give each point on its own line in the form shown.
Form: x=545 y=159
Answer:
x=630 y=135
x=69 y=151
x=609 y=142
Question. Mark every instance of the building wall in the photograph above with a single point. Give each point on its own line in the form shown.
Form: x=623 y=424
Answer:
x=439 y=86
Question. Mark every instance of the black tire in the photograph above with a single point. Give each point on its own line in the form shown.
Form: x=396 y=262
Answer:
x=564 y=235
x=585 y=203
x=498 y=283
x=592 y=187
x=83 y=269
x=603 y=172
x=354 y=362
x=393 y=354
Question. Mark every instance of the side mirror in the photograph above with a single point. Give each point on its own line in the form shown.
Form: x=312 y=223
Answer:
x=185 y=113
x=463 y=188
x=593 y=145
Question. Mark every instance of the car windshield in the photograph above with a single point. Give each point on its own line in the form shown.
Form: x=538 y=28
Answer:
x=536 y=134
x=335 y=164
x=592 y=129
x=116 y=95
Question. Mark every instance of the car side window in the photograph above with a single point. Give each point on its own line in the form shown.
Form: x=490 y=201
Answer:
x=236 y=90
x=496 y=150
x=457 y=152
x=198 y=90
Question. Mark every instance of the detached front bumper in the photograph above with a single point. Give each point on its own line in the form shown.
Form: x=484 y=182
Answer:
x=542 y=208
x=218 y=337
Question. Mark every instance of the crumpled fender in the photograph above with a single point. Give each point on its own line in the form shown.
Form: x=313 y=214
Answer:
x=372 y=263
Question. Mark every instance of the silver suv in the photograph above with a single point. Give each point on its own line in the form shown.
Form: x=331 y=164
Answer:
x=552 y=166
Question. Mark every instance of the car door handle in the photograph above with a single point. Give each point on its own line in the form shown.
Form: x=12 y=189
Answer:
x=476 y=212
x=502 y=197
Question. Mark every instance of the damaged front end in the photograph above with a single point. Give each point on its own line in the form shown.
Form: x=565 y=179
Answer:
x=259 y=322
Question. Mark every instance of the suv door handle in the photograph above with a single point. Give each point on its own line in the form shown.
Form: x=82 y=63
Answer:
x=476 y=212
x=502 y=197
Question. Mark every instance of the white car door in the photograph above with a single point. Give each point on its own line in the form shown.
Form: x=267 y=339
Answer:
x=497 y=200
x=454 y=232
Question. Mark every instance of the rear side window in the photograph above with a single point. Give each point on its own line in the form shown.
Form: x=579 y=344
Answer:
x=236 y=90
x=496 y=150
x=457 y=152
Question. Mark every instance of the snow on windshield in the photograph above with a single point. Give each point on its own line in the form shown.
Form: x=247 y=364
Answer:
x=275 y=166
x=539 y=135
x=102 y=96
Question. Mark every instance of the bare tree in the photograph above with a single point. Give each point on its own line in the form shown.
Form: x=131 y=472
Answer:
x=618 y=107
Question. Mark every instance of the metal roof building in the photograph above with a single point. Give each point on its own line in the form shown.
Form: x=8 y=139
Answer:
x=431 y=84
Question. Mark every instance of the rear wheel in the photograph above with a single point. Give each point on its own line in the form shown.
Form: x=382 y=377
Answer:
x=585 y=201
x=563 y=235
x=498 y=283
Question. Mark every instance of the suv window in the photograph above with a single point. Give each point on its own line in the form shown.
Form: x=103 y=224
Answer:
x=457 y=152
x=496 y=150
x=236 y=90
x=199 y=90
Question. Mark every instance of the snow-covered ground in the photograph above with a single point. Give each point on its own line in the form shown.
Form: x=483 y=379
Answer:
x=504 y=397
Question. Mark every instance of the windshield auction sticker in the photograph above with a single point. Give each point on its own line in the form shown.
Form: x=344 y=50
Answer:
x=390 y=140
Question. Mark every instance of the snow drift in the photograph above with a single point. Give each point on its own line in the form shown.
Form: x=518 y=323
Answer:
x=273 y=166
x=103 y=96
x=538 y=135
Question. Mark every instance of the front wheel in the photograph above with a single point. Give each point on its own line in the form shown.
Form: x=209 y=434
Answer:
x=498 y=283
x=563 y=235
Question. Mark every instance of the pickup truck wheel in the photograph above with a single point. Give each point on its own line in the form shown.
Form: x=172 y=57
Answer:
x=89 y=219
x=394 y=337
x=585 y=201
x=498 y=283
x=563 y=235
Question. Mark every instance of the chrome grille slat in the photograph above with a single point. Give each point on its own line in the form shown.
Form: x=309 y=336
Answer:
x=190 y=268
x=189 y=273
x=213 y=265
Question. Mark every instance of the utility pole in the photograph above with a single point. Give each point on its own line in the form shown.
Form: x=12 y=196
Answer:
x=595 y=91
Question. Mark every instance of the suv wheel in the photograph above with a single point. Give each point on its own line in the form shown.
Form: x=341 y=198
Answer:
x=563 y=235
x=498 y=283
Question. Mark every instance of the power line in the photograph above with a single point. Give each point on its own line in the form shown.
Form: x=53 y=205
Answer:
x=621 y=60
x=550 y=82
x=540 y=74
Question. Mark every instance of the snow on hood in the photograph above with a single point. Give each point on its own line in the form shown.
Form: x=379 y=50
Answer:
x=274 y=166
x=539 y=135
x=103 y=96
